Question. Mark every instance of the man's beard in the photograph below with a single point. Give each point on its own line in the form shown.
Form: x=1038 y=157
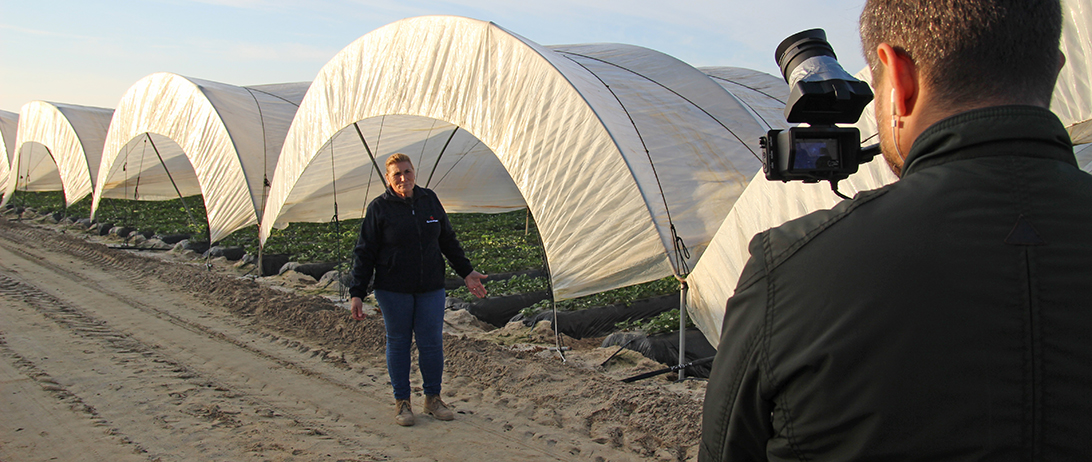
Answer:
x=887 y=142
x=892 y=157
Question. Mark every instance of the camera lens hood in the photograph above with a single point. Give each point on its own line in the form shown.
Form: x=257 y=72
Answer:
x=800 y=46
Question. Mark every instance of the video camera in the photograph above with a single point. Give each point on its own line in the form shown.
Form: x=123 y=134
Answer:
x=822 y=94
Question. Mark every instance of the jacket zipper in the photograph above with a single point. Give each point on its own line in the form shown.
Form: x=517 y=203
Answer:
x=420 y=244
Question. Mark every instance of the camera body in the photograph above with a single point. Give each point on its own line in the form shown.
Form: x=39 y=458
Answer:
x=811 y=154
x=822 y=94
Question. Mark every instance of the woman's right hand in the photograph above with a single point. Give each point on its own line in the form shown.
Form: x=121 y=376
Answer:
x=358 y=309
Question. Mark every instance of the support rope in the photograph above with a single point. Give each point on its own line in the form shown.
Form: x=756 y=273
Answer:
x=125 y=174
x=441 y=155
x=26 y=179
x=421 y=156
x=756 y=90
x=681 y=252
x=370 y=155
x=265 y=165
x=337 y=225
x=64 y=194
x=456 y=164
x=140 y=168
x=265 y=157
x=665 y=87
x=677 y=243
x=553 y=306
x=136 y=187
x=176 y=190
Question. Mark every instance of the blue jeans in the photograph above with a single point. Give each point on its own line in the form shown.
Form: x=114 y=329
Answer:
x=406 y=316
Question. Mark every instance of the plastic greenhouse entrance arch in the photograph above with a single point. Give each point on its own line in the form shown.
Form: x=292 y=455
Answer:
x=347 y=173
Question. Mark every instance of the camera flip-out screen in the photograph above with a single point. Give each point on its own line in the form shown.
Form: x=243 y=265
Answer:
x=815 y=153
x=811 y=154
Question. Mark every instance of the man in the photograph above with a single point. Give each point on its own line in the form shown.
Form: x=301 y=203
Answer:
x=947 y=316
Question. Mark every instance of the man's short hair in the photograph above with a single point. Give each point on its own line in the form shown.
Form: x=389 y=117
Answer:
x=970 y=50
x=396 y=158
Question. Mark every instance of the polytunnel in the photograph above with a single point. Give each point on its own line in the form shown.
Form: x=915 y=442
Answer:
x=627 y=158
x=57 y=148
x=174 y=136
x=1072 y=99
x=1083 y=153
x=9 y=123
x=766 y=204
x=762 y=93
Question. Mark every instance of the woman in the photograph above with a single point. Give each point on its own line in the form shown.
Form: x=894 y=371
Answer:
x=403 y=240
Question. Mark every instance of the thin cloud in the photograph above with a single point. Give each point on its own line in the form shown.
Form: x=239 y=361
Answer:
x=286 y=52
x=253 y=4
x=47 y=33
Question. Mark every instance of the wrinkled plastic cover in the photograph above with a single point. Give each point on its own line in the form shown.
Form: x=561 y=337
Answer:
x=694 y=144
x=1072 y=99
x=763 y=94
x=1083 y=153
x=569 y=125
x=210 y=138
x=9 y=123
x=763 y=205
x=58 y=147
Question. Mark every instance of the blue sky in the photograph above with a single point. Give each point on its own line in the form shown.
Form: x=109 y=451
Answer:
x=89 y=52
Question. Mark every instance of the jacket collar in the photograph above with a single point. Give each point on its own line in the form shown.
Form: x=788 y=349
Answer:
x=391 y=196
x=1027 y=131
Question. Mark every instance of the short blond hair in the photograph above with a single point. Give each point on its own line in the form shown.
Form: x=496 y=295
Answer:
x=397 y=158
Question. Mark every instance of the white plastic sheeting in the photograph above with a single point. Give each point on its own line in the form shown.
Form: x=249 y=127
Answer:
x=58 y=147
x=201 y=137
x=763 y=205
x=762 y=93
x=588 y=134
x=9 y=123
x=1084 y=156
x=1072 y=100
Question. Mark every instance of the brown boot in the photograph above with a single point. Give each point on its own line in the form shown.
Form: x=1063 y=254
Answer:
x=405 y=413
x=435 y=407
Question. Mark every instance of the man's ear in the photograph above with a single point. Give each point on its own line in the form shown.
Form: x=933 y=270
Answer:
x=902 y=77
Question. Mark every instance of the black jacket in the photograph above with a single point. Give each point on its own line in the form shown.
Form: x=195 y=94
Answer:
x=404 y=242
x=947 y=316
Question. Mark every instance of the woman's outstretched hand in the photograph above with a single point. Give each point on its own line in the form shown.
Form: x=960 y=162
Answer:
x=474 y=284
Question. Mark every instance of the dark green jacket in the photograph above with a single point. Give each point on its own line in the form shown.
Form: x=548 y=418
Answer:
x=947 y=316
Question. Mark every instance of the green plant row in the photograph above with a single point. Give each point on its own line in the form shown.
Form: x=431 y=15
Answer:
x=495 y=243
x=668 y=321
x=163 y=217
x=622 y=296
x=498 y=243
x=520 y=284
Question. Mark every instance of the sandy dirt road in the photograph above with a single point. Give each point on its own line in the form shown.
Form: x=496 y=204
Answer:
x=107 y=356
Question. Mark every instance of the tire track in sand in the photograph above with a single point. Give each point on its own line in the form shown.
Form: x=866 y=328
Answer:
x=295 y=392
